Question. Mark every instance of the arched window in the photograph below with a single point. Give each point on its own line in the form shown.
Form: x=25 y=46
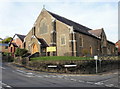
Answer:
x=81 y=41
x=43 y=26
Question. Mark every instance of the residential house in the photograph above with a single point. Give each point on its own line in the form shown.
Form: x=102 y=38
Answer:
x=16 y=42
x=117 y=44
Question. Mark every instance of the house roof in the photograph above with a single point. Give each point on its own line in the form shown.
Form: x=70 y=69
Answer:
x=21 y=37
x=96 y=32
x=43 y=42
x=14 y=44
x=76 y=26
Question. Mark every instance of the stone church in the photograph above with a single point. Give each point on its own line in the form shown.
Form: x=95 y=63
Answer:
x=54 y=35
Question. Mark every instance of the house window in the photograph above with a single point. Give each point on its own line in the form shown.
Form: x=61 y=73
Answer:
x=81 y=41
x=63 y=40
x=43 y=27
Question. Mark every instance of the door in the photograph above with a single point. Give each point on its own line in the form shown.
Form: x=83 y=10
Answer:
x=34 y=48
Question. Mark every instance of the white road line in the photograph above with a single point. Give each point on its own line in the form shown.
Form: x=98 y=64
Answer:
x=90 y=82
x=2 y=67
x=115 y=73
x=109 y=85
x=29 y=73
x=81 y=81
x=21 y=71
x=6 y=85
x=99 y=83
x=73 y=79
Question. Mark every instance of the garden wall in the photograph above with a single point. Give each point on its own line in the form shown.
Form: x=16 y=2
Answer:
x=82 y=66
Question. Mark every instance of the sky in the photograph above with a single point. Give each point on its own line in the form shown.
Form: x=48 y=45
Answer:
x=18 y=16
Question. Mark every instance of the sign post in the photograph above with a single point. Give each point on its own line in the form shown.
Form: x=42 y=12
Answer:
x=96 y=58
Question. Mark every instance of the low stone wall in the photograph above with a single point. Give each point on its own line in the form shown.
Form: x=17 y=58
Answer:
x=82 y=66
x=7 y=59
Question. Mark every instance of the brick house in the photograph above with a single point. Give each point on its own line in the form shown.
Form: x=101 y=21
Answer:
x=17 y=41
x=117 y=44
x=67 y=37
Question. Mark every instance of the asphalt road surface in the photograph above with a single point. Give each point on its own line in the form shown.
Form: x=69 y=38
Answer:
x=20 y=77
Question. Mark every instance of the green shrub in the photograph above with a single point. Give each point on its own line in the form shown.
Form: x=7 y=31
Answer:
x=7 y=54
x=20 y=52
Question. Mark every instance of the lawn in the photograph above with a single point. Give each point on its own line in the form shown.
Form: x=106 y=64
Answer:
x=61 y=58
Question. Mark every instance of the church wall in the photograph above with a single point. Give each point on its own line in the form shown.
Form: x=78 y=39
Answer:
x=45 y=36
x=90 y=45
x=28 y=41
x=62 y=30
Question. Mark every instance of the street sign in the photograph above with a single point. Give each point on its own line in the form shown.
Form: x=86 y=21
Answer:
x=96 y=58
x=51 y=49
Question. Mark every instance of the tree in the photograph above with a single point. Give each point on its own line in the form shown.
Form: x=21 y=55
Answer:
x=20 y=52
x=7 y=40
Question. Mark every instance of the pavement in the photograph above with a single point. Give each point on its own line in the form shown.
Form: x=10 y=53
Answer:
x=16 y=76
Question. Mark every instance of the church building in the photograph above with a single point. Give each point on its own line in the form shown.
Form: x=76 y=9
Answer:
x=54 y=35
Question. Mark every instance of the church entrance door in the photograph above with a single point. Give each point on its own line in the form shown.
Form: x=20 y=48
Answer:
x=34 y=48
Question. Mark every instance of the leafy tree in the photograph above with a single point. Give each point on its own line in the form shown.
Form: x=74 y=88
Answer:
x=7 y=40
x=20 y=52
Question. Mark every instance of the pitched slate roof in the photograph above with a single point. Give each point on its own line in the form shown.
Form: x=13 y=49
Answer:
x=76 y=27
x=96 y=32
x=14 y=44
x=21 y=37
x=43 y=42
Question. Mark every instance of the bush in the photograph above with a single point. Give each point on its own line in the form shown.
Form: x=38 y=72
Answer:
x=20 y=52
x=6 y=54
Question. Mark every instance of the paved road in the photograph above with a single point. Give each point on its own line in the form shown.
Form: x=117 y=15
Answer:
x=20 y=77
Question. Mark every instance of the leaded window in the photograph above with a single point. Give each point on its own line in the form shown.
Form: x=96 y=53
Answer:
x=81 y=41
x=43 y=27
x=63 y=40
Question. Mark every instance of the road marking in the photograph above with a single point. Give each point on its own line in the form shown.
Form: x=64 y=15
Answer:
x=73 y=79
x=99 y=83
x=6 y=85
x=28 y=76
x=2 y=67
x=109 y=85
x=81 y=81
x=115 y=73
x=89 y=82
x=21 y=71
x=39 y=76
x=29 y=73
